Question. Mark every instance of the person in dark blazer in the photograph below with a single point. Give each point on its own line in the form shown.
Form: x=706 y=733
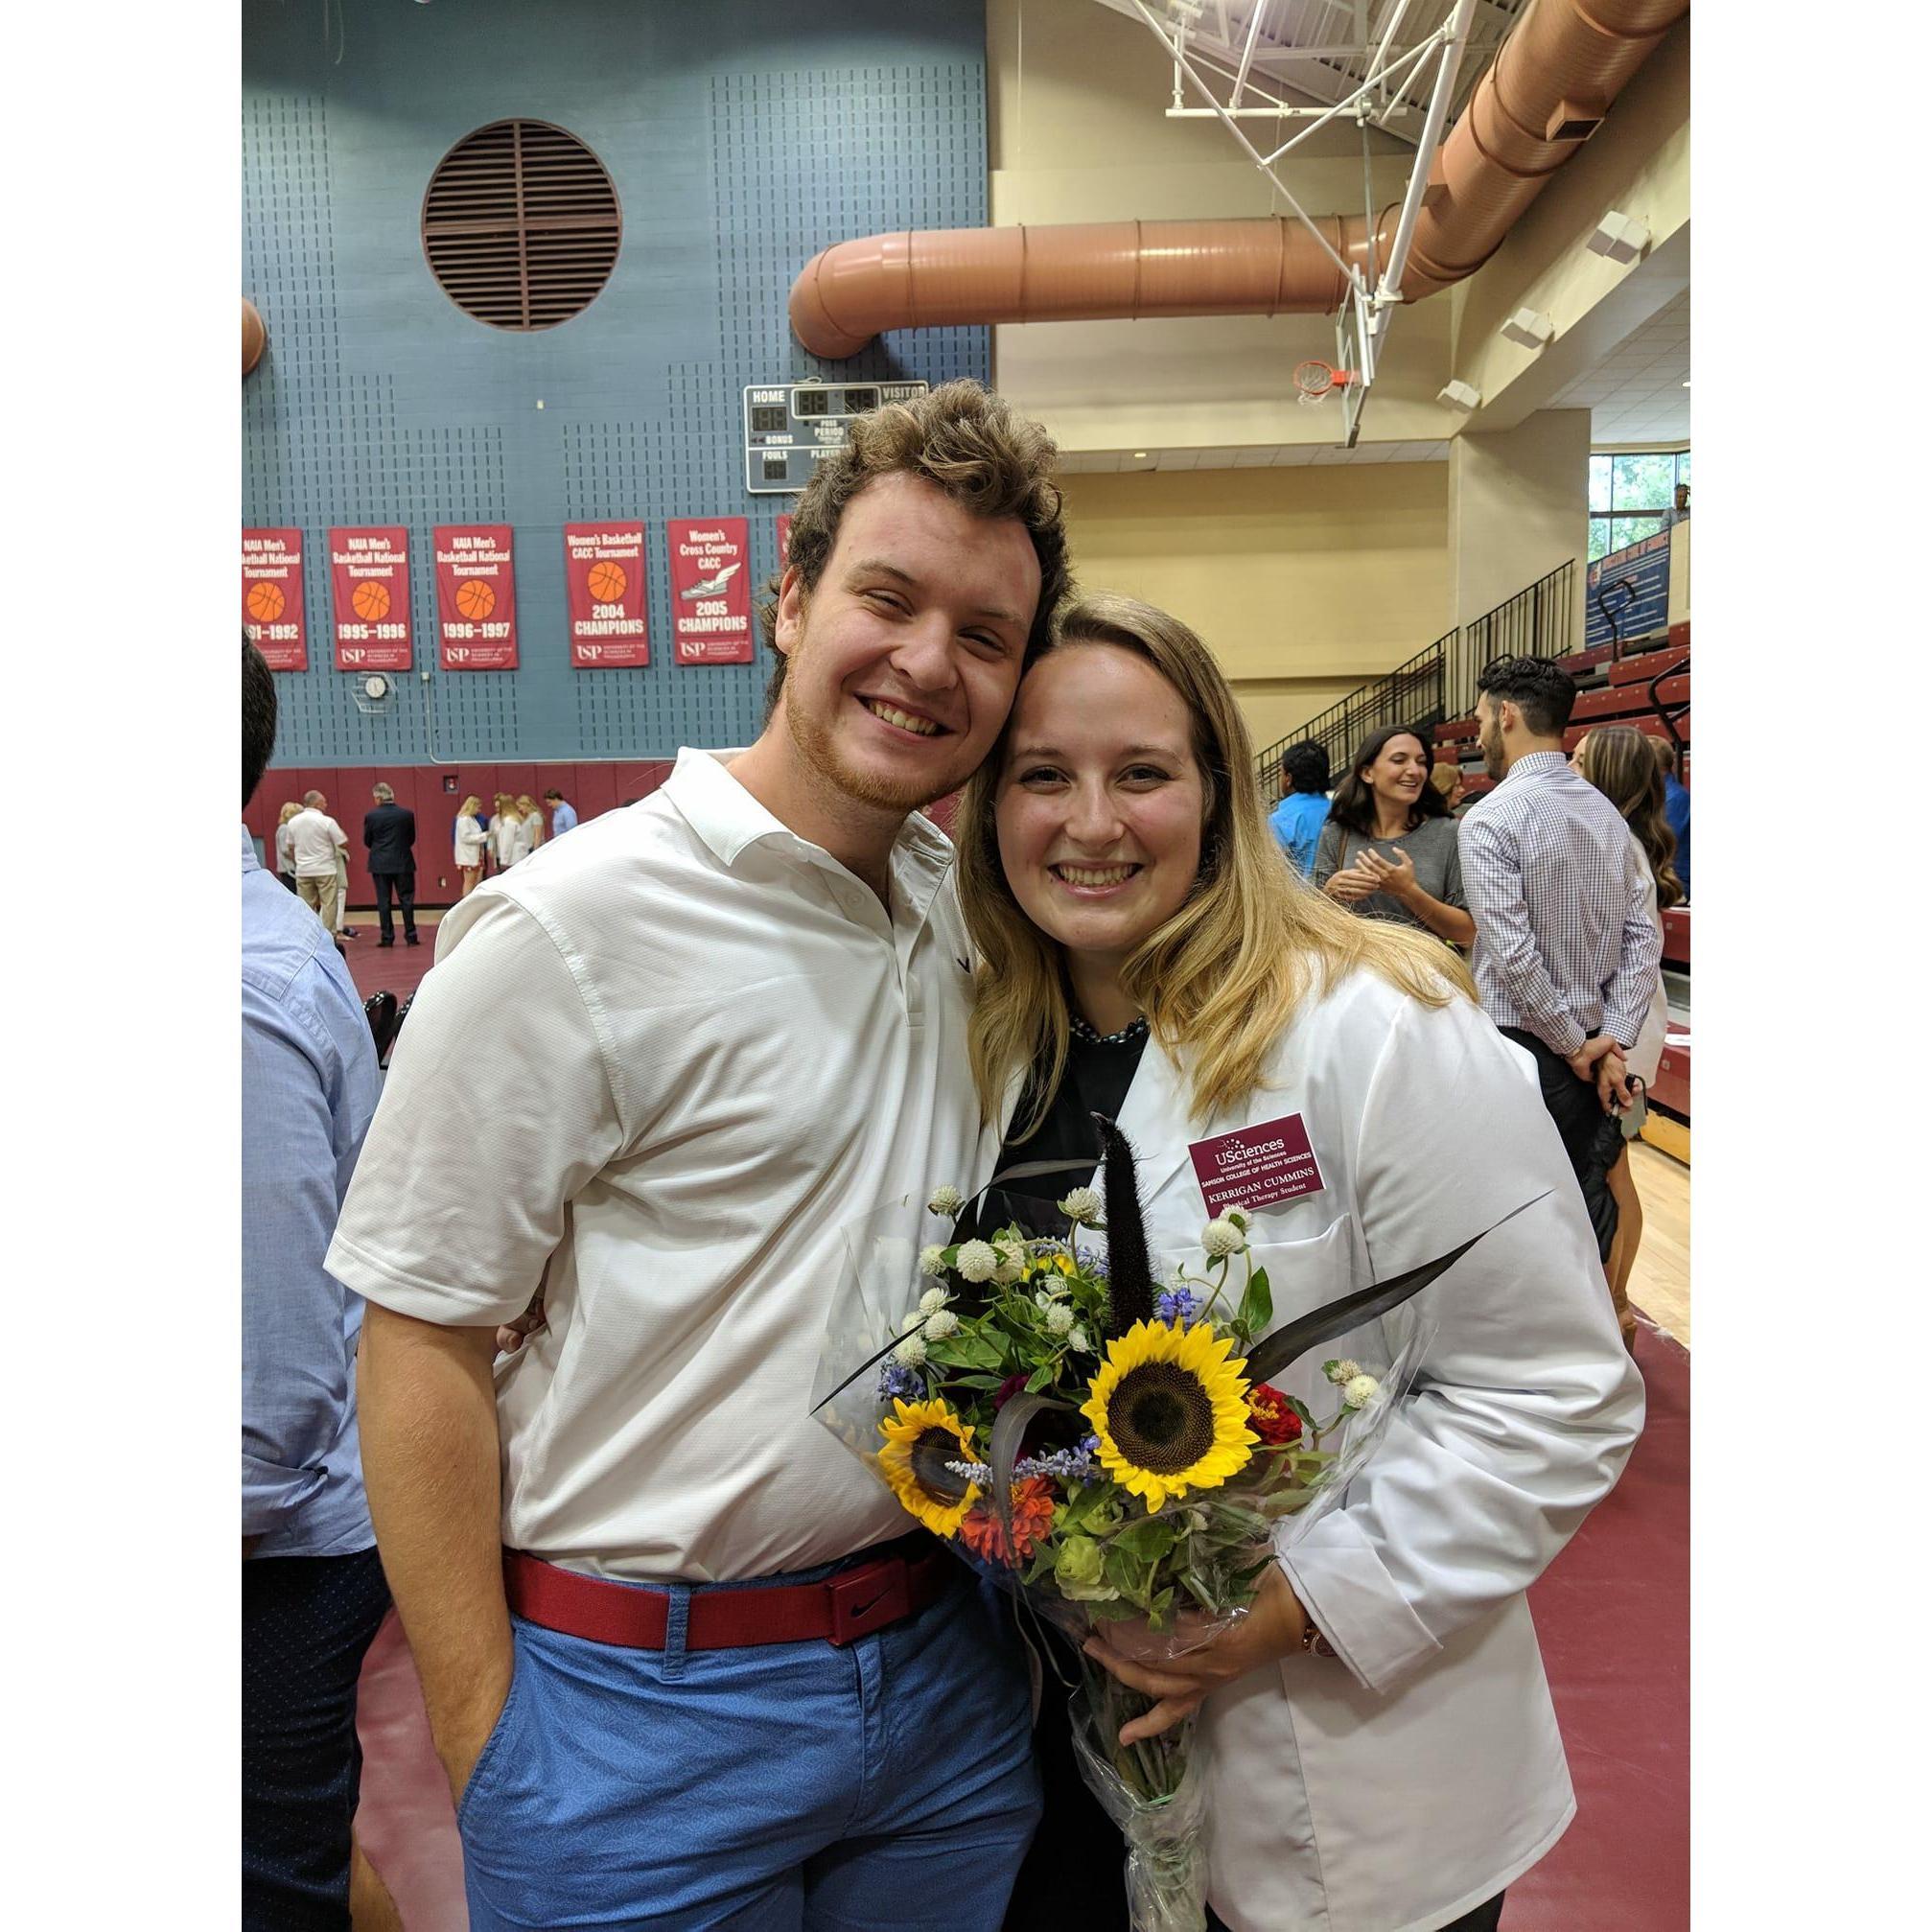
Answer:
x=389 y=838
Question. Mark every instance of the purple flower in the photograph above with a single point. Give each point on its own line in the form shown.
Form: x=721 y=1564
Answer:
x=1176 y=1305
x=900 y=1382
x=1092 y=1260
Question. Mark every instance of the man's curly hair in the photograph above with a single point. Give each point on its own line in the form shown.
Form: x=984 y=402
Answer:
x=972 y=445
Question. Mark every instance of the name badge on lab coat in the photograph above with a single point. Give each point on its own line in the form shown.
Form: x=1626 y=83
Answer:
x=1256 y=1166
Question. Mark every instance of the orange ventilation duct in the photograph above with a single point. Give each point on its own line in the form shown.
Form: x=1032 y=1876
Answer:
x=1550 y=86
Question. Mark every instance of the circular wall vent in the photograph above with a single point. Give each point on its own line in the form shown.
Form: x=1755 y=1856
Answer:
x=520 y=226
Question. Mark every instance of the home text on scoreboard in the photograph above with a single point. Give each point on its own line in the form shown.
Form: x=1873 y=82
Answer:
x=790 y=427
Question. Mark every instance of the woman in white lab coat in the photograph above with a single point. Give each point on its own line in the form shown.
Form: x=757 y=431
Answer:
x=1383 y=1755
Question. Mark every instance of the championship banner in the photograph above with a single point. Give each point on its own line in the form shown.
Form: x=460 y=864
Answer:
x=604 y=575
x=710 y=592
x=271 y=598
x=476 y=597
x=369 y=588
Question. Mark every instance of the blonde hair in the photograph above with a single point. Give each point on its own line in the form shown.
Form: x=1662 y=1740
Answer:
x=471 y=806
x=1618 y=762
x=525 y=805
x=1445 y=779
x=289 y=811
x=1225 y=975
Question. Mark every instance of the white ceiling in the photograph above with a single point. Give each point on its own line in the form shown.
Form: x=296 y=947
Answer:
x=1639 y=392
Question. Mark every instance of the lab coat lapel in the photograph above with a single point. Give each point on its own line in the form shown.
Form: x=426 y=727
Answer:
x=1154 y=1118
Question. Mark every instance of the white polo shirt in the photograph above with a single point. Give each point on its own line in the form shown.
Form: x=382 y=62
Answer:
x=315 y=838
x=658 y=1066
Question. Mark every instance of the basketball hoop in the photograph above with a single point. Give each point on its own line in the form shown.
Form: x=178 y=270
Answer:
x=1314 y=381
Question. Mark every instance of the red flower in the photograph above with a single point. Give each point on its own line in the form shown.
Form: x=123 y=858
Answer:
x=1032 y=1519
x=1007 y=1390
x=1270 y=1417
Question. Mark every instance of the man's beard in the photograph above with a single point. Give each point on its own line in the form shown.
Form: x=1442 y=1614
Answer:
x=1493 y=759
x=820 y=755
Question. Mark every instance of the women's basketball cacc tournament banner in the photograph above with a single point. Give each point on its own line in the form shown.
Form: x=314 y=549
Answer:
x=271 y=598
x=476 y=597
x=710 y=589
x=604 y=573
x=369 y=588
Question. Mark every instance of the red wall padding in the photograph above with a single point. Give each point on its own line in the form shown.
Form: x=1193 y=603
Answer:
x=593 y=788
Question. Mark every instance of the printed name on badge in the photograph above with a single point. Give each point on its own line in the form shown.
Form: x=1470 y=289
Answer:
x=1256 y=1166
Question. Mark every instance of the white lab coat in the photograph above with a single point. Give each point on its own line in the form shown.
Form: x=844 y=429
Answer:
x=1401 y=1785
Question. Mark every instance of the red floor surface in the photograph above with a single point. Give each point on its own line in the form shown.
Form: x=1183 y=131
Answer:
x=376 y=968
x=1614 y=1616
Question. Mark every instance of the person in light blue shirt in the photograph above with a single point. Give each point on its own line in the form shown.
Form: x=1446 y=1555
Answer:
x=563 y=814
x=1297 y=822
x=312 y=1593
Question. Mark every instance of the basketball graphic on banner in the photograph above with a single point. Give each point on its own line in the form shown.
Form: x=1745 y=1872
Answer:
x=370 y=602
x=266 y=602
x=475 y=600
x=607 y=583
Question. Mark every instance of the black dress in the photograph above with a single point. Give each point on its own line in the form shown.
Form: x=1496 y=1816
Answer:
x=1074 y=1874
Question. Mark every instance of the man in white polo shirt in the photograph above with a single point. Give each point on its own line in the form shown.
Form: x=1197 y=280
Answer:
x=684 y=1664
x=315 y=838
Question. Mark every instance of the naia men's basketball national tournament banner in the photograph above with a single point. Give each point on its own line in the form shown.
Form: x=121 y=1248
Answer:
x=604 y=573
x=271 y=598
x=476 y=597
x=710 y=589
x=369 y=587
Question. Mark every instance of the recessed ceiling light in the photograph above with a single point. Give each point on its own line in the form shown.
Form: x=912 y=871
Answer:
x=1687 y=381
x=1140 y=456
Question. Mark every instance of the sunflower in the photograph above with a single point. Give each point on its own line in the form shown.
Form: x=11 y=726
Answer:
x=1171 y=1411
x=920 y=1439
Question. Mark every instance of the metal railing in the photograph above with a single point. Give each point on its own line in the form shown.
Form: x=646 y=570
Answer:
x=1439 y=683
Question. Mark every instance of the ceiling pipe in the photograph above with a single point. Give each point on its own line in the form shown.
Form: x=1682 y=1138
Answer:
x=1548 y=88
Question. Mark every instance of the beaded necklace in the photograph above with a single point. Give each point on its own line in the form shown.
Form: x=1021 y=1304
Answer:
x=1136 y=1028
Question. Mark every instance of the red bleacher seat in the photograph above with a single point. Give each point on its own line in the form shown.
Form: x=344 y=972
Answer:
x=1641 y=668
x=1619 y=701
x=1677 y=935
x=1457 y=727
x=1650 y=724
x=1671 y=1088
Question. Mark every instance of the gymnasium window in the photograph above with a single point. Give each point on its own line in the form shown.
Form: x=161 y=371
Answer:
x=1629 y=494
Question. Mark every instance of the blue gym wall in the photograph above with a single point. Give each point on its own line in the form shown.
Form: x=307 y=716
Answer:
x=741 y=136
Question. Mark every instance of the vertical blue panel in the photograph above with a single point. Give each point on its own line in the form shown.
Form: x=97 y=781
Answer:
x=741 y=138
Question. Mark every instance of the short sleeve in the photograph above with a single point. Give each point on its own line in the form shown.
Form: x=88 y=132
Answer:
x=497 y=1111
x=1327 y=854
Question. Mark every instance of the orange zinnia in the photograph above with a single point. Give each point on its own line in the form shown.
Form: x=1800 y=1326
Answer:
x=1032 y=1519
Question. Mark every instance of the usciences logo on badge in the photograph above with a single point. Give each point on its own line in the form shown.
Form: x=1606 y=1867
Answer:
x=1256 y=1166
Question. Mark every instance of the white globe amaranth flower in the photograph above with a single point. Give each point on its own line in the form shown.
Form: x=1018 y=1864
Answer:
x=946 y=1201
x=977 y=1261
x=1359 y=1391
x=1081 y=1207
x=932 y=1259
x=1010 y=1263
x=933 y=1300
x=1059 y=1319
x=910 y=1353
x=1077 y=1337
x=1221 y=1236
x=943 y=1325
x=1339 y=1372
x=911 y=1319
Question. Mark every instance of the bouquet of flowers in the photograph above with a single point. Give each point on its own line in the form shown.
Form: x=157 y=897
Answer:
x=1117 y=1452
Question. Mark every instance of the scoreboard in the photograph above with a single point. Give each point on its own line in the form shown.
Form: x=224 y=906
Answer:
x=790 y=427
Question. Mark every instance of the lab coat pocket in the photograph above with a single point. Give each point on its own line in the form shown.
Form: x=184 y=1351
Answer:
x=1303 y=1276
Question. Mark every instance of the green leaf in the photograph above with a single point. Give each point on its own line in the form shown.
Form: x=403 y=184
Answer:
x=1257 y=1304
x=1147 y=1540
x=1041 y=1378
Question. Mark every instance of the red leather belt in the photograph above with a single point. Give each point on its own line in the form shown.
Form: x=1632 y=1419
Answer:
x=882 y=1588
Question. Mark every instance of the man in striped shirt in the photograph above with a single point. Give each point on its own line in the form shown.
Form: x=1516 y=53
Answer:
x=1567 y=952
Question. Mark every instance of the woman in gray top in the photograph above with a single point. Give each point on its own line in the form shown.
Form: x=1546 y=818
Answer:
x=1389 y=849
